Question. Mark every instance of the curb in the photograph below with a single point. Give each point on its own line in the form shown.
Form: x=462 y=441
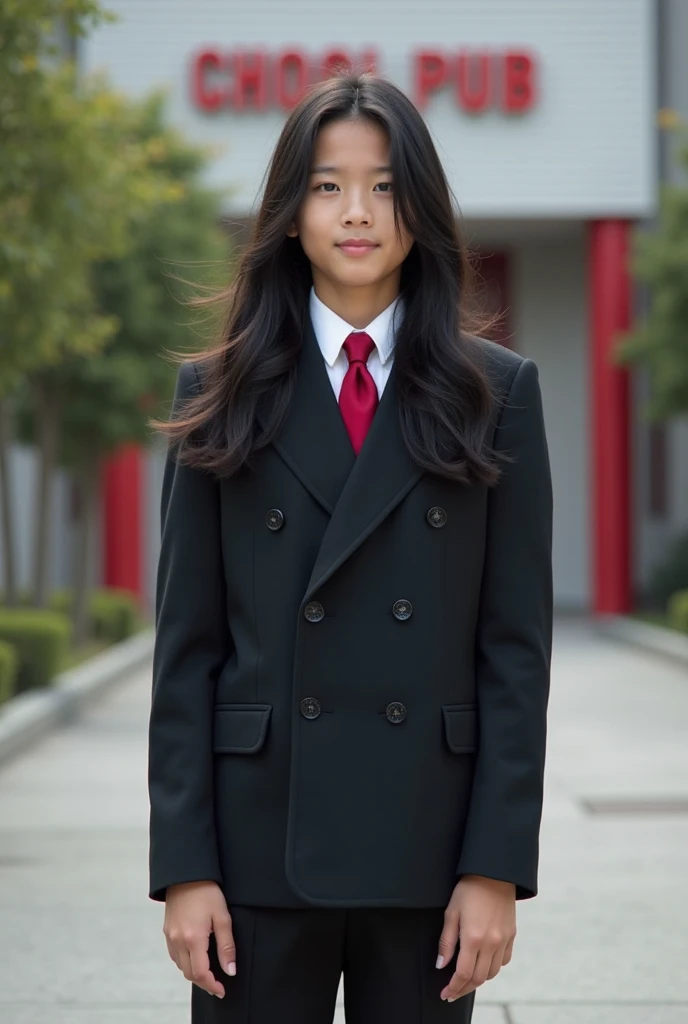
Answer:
x=31 y=714
x=656 y=639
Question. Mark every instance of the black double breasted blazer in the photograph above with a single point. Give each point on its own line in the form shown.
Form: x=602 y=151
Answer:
x=351 y=666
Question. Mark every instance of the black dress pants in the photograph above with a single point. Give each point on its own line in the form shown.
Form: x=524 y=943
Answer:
x=290 y=962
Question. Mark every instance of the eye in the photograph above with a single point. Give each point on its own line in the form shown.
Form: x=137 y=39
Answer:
x=330 y=186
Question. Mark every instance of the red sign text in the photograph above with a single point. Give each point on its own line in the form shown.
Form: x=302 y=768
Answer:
x=250 y=80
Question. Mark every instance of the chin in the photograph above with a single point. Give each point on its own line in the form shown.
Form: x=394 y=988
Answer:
x=357 y=276
x=359 y=282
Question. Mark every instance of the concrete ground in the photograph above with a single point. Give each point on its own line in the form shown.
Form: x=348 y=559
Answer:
x=605 y=942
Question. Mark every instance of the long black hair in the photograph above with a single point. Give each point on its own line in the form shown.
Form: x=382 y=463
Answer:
x=445 y=399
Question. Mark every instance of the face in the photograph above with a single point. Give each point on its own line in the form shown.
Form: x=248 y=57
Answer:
x=350 y=197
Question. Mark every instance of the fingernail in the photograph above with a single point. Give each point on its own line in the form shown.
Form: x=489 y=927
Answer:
x=452 y=999
x=440 y=961
x=231 y=969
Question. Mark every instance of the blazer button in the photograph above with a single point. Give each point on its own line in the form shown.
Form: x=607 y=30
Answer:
x=274 y=519
x=402 y=610
x=436 y=516
x=395 y=712
x=314 y=611
x=310 y=707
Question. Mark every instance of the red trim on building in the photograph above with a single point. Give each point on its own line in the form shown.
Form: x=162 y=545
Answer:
x=610 y=308
x=122 y=520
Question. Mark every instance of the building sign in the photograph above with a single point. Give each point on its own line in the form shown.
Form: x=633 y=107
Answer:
x=250 y=80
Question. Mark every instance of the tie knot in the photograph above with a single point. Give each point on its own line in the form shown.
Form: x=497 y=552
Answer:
x=358 y=347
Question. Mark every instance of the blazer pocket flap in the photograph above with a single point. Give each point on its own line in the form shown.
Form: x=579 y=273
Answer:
x=461 y=727
x=240 y=728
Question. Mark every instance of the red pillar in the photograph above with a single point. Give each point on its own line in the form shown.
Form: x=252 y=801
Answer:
x=610 y=310
x=122 y=520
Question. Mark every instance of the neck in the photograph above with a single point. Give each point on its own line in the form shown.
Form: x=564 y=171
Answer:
x=357 y=305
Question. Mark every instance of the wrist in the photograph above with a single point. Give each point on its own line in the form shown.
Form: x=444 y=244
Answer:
x=495 y=883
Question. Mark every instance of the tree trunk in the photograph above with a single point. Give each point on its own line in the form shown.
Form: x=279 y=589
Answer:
x=11 y=595
x=47 y=413
x=86 y=480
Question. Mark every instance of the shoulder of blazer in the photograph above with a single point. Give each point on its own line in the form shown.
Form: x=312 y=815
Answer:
x=497 y=358
x=500 y=363
x=188 y=380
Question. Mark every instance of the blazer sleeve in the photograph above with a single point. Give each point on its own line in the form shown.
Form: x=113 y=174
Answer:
x=513 y=651
x=192 y=643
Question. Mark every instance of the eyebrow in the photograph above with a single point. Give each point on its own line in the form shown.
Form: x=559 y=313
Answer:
x=324 y=169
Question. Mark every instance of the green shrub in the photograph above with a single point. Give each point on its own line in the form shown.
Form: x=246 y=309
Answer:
x=113 y=613
x=669 y=575
x=61 y=601
x=677 y=610
x=8 y=671
x=24 y=598
x=41 y=639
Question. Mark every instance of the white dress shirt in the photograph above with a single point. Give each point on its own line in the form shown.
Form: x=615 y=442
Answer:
x=331 y=332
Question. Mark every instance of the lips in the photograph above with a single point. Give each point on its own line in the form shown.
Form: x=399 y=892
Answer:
x=357 y=248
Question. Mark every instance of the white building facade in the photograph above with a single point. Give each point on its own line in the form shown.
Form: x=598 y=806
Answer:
x=544 y=115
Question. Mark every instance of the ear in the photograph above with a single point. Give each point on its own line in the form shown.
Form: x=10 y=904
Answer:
x=292 y=231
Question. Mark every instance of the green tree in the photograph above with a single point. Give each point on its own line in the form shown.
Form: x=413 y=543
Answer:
x=106 y=401
x=659 y=341
x=93 y=181
x=73 y=179
x=39 y=203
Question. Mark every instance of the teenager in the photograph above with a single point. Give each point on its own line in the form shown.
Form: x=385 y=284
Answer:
x=354 y=603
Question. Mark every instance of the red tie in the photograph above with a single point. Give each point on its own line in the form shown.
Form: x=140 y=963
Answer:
x=358 y=398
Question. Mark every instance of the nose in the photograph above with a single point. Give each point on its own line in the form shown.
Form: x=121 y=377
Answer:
x=357 y=211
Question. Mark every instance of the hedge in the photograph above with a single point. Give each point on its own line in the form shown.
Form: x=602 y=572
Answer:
x=41 y=639
x=113 y=613
x=8 y=671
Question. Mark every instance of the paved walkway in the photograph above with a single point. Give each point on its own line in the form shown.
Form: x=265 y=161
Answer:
x=606 y=941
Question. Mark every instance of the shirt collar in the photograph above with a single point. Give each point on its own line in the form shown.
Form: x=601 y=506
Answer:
x=332 y=331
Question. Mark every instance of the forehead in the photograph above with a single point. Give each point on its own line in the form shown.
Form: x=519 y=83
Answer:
x=351 y=143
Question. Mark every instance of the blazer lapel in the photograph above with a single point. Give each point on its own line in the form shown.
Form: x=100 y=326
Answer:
x=357 y=492
x=314 y=442
x=381 y=475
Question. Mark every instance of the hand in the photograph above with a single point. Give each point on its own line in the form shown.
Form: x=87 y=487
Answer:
x=192 y=911
x=483 y=911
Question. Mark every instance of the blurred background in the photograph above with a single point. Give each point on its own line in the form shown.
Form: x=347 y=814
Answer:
x=559 y=126
x=134 y=136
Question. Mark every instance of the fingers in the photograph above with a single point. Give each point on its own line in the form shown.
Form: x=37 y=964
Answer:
x=224 y=940
x=201 y=974
x=496 y=965
x=172 y=951
x=448 y=938
x=194 y=912
x=190 y=953
x=479 y=977
x=465 y=966
x=479 y=960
